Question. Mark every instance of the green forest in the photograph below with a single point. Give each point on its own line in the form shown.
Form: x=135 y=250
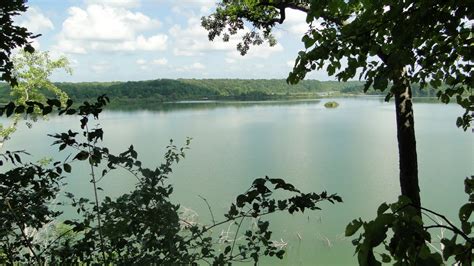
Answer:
x=169 y=90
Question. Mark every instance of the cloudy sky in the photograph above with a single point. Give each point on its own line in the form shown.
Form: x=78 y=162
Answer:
x=109 y=40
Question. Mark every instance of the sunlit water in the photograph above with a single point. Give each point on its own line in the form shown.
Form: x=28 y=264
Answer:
x=350 y=150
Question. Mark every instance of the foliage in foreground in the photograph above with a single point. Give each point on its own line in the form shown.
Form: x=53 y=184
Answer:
x=139 y=227
x=407 y=238
x=12 y=37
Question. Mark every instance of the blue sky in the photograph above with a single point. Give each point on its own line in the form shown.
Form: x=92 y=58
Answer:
x=118 y=40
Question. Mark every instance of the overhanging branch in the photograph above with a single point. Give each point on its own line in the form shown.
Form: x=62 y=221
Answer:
x=282 y=5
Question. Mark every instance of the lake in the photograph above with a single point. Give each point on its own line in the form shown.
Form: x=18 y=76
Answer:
x=350 y=150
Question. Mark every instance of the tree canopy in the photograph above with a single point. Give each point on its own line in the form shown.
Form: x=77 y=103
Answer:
x=11 y=37
x=431 y=42
x=32 y=71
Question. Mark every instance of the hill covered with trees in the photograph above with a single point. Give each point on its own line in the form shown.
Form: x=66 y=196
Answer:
x=166 y=90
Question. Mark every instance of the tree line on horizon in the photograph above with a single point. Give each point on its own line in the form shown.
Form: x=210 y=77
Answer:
x=164 y=90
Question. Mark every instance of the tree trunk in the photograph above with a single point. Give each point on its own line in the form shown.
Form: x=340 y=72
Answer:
x=406 y=139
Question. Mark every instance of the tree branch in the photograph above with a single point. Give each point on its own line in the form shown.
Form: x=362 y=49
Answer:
x=281 y=7
x=209 y=207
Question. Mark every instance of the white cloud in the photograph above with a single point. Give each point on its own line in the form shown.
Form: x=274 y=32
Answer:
x=117 y=3
x=295 y=22
x=35 y=43
x=192 y=67
x=140 y=43
x=197 y=66
x=105 y=23
x=68 y=46
x=35 y=21
x=263 y=51
x=229 y=60
x=148 y=65
x=73 y=62
x=154 y=43
x=188 y=8
x=193 y=41
x=160 y=61
x=108 y=28
x=290 y=63
x=100 y=67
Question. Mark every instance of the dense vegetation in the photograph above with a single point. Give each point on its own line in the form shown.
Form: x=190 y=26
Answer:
x=163 y=90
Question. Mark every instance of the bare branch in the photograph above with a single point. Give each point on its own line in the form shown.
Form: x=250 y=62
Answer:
x=209 y=207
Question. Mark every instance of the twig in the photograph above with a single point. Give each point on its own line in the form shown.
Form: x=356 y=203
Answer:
x=431 y=218
x=236 y=234
x=206 y=261
x=452 y=228
x=25 y=237
x=209 y=207
x=246 y=215
x=56 y=239
x=96 y=198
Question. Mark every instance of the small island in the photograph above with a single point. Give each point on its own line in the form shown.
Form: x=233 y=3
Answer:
x=331 y=104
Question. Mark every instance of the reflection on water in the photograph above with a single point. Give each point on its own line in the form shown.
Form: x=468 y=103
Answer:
x=350 y=150
x=212 y=104
x=209 y=104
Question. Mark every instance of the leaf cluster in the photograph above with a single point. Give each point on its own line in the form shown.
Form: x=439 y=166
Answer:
x=32 y=71
x=11 y=37
x=401 y=232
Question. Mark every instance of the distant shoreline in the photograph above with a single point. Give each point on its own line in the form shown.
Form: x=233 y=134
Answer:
x=170 y=90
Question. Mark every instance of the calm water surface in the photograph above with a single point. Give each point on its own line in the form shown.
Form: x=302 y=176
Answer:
x=350 y=150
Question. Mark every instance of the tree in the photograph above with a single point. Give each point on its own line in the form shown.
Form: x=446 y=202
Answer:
x=32 y=71
x=12 y=37
x=389 y=44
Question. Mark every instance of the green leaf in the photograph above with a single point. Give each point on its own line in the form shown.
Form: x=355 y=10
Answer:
x=53 y=102
x=382 y=208
x=337 y=198
x=380 y=83
x=47 y=110
x=17 y=157
x=385 y=258
x=465 y=212
x=67 y=168
x=240 y=201
x=353 y=227
x=20 y=109
x=280 y=254
x=308 y=41
x=448 y=249
x=29 y=49
x=69 y=102
x=10 y=108
x=82 y=155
